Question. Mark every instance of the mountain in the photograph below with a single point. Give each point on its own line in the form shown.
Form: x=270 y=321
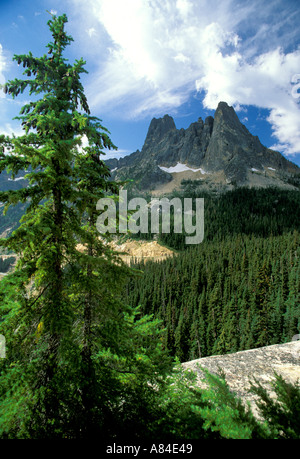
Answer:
x=219 y=151
x=7 y=183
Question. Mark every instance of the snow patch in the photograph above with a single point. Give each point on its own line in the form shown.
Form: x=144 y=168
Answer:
x=16 y=179
x=180 y=168
x=271 y=169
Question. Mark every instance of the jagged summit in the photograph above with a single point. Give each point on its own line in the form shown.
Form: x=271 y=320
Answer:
x=218 y=150
x=159 y=128
x=226 y=112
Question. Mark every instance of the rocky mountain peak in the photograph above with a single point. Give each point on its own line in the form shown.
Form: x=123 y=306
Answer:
x=159 y=128
x=219 y=150
x=226 y=117
x=234 y=150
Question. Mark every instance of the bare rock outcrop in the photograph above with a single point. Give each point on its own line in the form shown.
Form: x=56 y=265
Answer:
x=136 y=251
x=242 y=367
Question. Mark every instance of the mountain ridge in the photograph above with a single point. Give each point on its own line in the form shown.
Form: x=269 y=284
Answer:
x=219 y=150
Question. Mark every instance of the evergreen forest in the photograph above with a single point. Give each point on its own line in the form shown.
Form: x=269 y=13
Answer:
x=223 y=296
x=239 y=289
x=93 y=347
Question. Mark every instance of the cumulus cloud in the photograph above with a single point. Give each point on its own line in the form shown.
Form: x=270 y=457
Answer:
x=153 y=55
x=266 y=83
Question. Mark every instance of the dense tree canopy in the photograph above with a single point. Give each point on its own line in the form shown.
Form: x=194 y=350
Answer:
x=224 y=295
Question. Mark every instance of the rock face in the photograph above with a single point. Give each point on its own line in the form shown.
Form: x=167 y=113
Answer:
x=236 y=151
x=241 y=367
x=221 y=146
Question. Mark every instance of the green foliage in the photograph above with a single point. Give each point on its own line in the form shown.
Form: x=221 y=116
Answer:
x=77 y=356
x=258 y=212
x=6 y=263
x=224 y=296
x=180 y=403
x=225 y=413
x=282 y=412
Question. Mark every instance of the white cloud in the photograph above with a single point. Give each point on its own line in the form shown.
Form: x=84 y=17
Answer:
x=285 y=121
x=265 y=83
x=91 y=31
x=8 y=130
x=153 y=55
x=108 y=154
x=184 y=6
x=120 y=153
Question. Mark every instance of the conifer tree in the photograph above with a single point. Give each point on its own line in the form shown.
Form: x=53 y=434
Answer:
x=46 y=242
x=72 y=346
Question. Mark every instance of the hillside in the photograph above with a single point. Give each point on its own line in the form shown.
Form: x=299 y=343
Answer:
x=137 y=251
x=227 y=295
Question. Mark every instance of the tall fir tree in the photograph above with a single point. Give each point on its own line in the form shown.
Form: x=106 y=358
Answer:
x=72 y=346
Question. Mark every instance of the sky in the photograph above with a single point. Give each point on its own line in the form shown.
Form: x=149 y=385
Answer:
x=148 y=58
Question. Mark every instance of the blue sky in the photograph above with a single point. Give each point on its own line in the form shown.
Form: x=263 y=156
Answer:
x=146 y=58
